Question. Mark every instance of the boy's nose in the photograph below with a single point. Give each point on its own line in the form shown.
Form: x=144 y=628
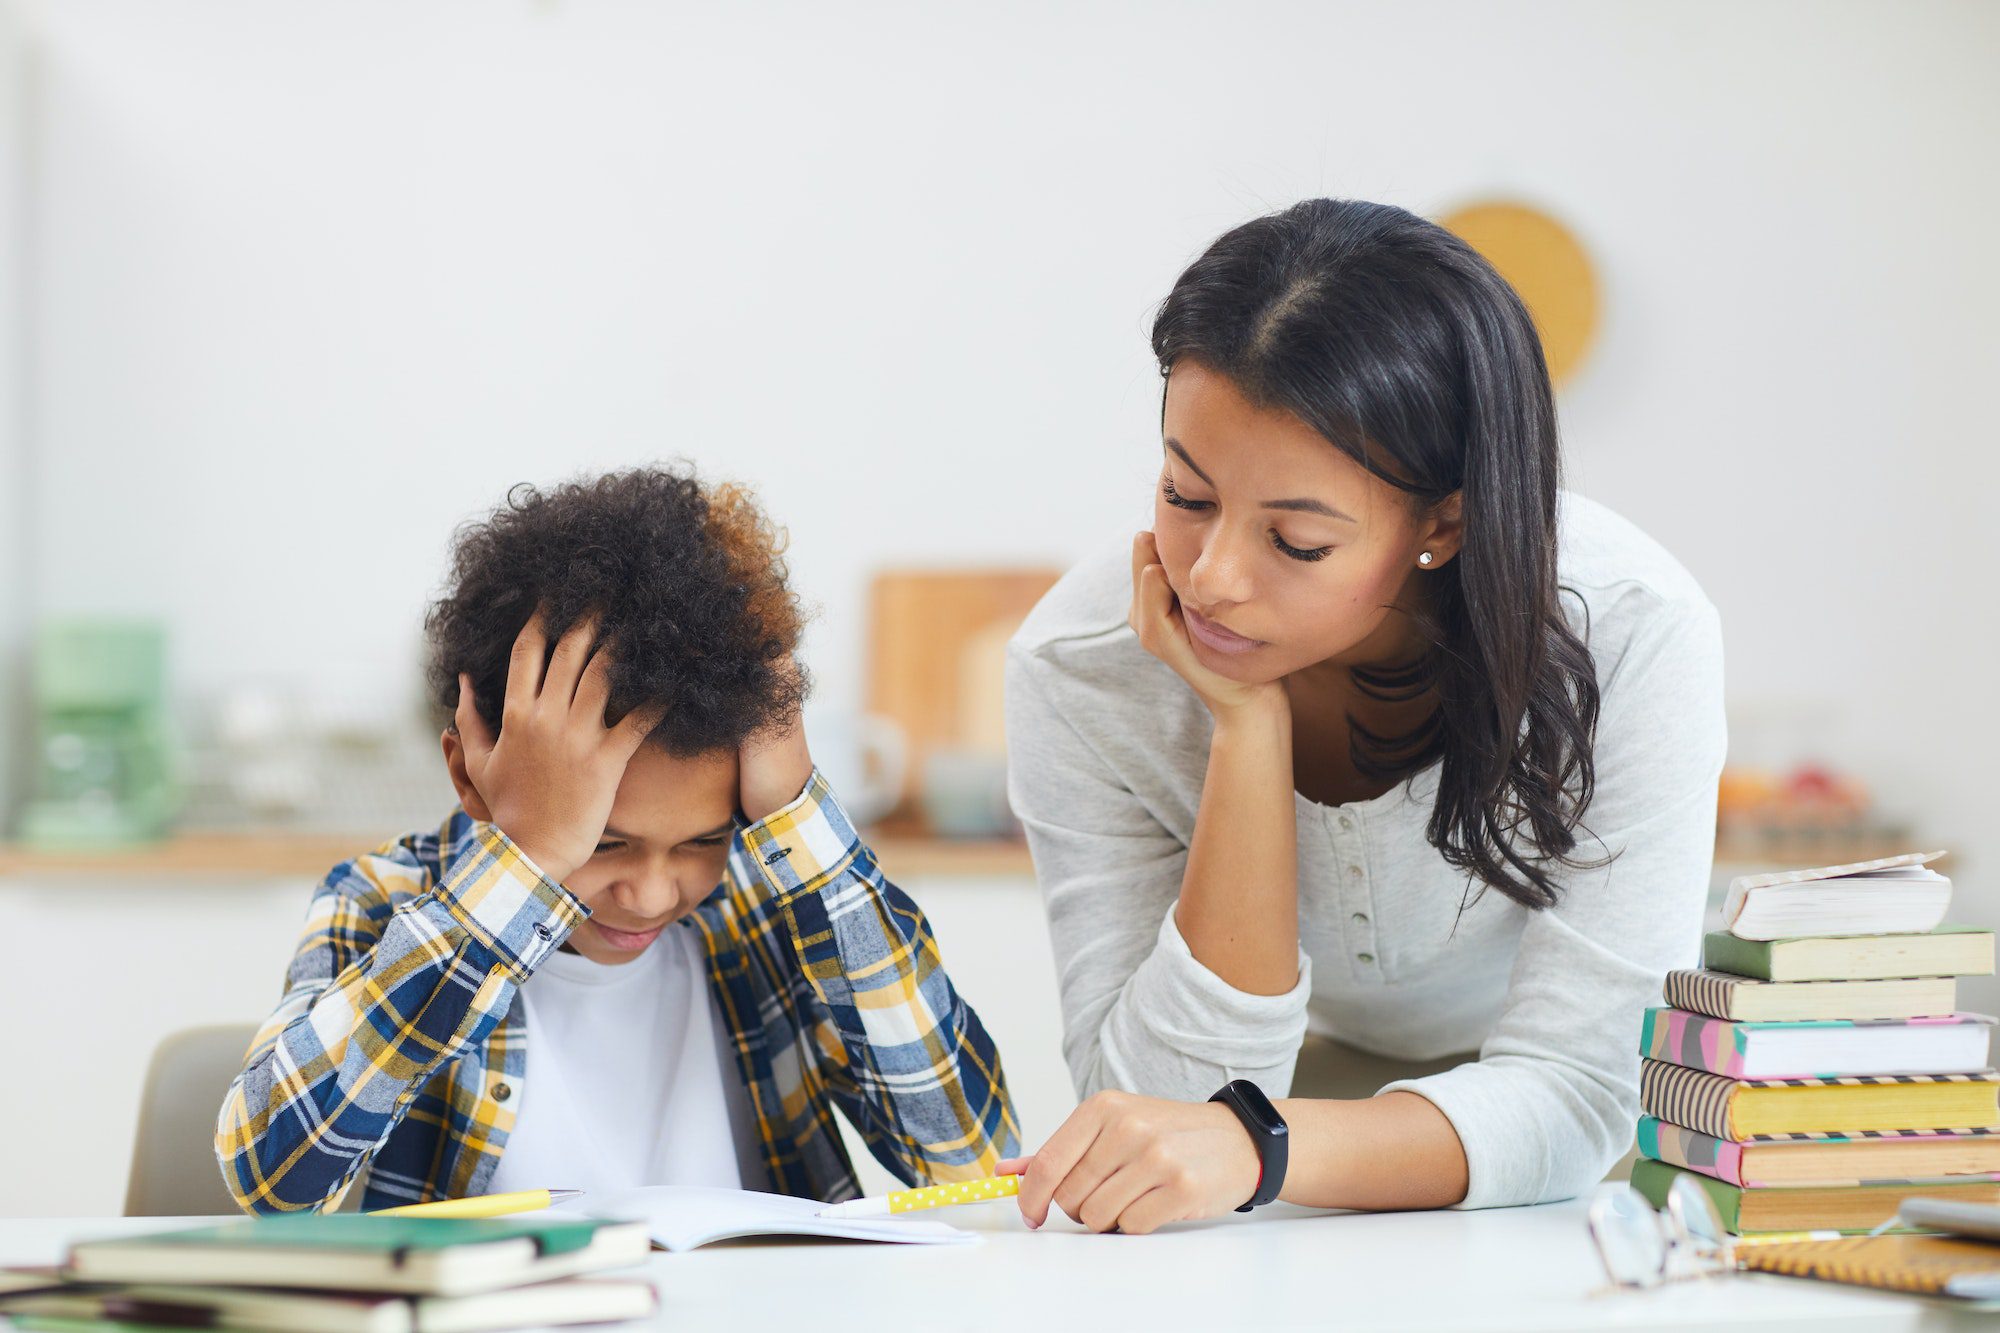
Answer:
x=650 y=896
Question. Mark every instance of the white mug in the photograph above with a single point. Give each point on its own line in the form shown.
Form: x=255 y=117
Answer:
x=864 y=756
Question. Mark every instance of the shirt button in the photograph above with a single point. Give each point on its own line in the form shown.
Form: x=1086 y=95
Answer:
x=1347 y=823
x=501 y=1092
x=1365 y=957
x=1359 y=918
x=541 y=928
x=1354 y=872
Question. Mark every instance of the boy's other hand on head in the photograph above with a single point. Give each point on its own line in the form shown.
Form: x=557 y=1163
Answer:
x=549 y=779
x=774 y=766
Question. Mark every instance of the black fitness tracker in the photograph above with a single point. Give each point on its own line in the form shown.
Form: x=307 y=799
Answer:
x=1267 y=1131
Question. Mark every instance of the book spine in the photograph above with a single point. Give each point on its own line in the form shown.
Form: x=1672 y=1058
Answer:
x=1686 y=1097
x=1723 y=952
x=1702 y=993
x=1653 y=1180
x=1694 y=1040
x=1678 y=1145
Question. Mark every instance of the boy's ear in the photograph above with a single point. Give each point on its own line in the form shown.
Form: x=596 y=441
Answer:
x=468 y=795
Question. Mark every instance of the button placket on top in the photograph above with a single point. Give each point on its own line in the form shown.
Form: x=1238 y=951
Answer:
x=1344 y=830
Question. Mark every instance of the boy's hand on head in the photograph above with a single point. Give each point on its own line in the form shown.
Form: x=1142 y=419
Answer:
x=550 y=777
x=773 y=765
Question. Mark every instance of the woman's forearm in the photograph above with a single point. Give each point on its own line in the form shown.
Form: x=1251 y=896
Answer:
x=1389 y=1152
x=1239 y=902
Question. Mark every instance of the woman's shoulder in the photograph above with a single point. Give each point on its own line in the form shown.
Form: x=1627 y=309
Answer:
x=1604 y=555
x=1086 y=609
x=1076 y=652
x=1655 y=639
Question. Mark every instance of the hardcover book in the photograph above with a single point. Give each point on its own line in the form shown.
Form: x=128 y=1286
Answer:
x=1851 y=1209
x=1769 y=1109
x=1948 y=951
x=1823 y=1048
x=1749 y=1000
x=1825 y=1159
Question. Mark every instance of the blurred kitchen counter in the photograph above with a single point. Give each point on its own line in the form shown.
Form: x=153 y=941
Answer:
x=310 y=855
x=904 y=853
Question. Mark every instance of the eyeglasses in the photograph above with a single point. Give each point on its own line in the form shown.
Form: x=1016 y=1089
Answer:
x=1643 y=1248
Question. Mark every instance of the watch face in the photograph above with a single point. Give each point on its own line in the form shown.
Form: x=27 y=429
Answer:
x=1251 y=1100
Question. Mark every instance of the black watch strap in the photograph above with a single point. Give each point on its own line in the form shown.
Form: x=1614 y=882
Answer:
x=1267 y=1130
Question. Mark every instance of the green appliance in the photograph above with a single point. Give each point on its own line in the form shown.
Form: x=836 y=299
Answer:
x=102 y=775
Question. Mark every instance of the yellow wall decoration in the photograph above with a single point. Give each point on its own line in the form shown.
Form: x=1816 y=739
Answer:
x=1545 y=264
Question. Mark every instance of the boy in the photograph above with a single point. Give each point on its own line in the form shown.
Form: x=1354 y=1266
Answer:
x=648 y=948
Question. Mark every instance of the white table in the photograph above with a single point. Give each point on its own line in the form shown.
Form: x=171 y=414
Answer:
x=1502 y=1269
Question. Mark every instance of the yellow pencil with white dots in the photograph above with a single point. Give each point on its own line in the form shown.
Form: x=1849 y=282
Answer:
x=931 y=1196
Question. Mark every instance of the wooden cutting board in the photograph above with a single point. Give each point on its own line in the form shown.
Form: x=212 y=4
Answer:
x=937 y=653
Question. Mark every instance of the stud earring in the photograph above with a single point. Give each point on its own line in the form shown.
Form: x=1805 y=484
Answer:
x=1425 y=559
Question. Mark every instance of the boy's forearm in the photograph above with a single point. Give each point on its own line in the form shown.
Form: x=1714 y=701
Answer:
x=936 y=1099
x=419 y=964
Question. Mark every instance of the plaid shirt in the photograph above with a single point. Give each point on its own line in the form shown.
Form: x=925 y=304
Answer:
x=397 y=1044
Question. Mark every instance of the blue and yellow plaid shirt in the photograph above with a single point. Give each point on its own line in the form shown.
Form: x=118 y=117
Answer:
x=397 y=1045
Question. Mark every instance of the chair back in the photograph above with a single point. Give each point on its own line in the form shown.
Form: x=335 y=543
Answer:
x=174 y=1172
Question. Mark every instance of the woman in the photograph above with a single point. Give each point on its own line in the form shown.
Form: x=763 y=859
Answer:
x=1377 y=733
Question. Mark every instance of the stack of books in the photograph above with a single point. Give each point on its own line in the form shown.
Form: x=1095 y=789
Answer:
x=342 y=1273
x=1816 y=1071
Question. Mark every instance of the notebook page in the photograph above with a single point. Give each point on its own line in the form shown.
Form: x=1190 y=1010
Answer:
x=681 y=1217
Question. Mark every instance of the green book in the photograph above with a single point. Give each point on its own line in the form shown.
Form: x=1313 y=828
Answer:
x=581 y=1300
x=358 y=1252
x=1852 y=1209
x=1948 y=951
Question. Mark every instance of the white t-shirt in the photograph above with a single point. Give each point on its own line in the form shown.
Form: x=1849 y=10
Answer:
x=628 y=1079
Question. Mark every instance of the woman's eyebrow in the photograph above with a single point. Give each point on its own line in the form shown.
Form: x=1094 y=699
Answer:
x=1309 y=507
x=1175 y=445
x=1297 y=506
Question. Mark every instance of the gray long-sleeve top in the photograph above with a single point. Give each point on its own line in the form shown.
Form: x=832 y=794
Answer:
x=1107 y=748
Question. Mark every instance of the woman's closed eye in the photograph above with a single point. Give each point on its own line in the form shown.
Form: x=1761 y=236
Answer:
x=1179 y=501
x=1299 y=553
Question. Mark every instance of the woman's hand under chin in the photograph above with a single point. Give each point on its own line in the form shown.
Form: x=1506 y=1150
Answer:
x=1127 y=1163
x=1156 y=618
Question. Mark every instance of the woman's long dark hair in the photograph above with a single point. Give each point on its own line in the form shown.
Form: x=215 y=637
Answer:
x=1390 y=336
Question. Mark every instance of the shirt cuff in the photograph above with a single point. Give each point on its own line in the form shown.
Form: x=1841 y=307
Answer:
x=503 y=900
x=1504 y=1138
x=802 y=845
x=1188 y=1008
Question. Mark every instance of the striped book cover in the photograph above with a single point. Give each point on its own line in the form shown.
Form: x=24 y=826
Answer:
x=1806 y=1108
x=1743 y=1164
x=1723 y=1046
x=1752 y=999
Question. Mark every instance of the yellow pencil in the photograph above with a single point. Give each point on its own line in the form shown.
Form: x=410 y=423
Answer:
x=481 y=1205
x=931 y=1196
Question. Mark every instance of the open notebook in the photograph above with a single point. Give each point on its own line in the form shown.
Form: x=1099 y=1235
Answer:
x=681 y=1217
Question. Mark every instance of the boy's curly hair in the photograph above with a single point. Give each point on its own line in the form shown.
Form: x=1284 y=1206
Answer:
x=689 y=582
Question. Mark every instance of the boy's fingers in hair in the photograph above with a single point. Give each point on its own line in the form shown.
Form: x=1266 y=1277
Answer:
x=593 y=691
x=524 y=667
x=473 y=733
x=635 y=726
x=566 y=663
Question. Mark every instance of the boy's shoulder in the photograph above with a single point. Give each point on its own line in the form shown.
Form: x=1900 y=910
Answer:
x=405 y=867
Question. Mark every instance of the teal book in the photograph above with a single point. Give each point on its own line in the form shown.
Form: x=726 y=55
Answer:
x=1848 y=1208
x=358 y=1252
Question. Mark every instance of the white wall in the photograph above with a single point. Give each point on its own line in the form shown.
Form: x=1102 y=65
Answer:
x=15 y=536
